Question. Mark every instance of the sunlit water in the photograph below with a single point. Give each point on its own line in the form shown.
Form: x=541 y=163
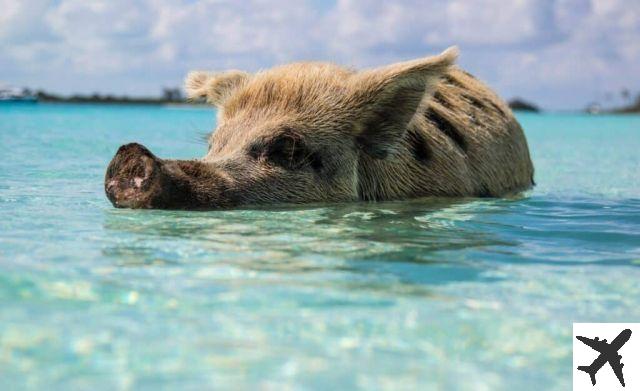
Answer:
x=473 y=294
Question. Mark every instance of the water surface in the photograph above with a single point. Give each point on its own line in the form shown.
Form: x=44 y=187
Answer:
x=468 y=294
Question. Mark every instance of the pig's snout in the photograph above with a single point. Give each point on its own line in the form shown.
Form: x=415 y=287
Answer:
x=134 y=177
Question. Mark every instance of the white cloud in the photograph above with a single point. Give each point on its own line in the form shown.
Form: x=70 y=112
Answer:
x=498 y=22
x=598 y=53
x=20 y=20
x=555 y=51
x=248 y=32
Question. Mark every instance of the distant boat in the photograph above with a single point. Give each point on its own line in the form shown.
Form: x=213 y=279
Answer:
x=14 y=95
x=594 y=108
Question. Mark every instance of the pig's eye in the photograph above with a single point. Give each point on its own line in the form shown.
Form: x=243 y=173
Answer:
x=289 y=152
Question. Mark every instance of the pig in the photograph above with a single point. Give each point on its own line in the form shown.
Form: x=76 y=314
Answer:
x=316 y=132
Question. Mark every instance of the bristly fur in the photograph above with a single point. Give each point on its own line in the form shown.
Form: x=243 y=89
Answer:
x=312 y=132
x=476 y=146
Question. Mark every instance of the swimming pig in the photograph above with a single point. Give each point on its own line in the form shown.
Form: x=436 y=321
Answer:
x=317 y=132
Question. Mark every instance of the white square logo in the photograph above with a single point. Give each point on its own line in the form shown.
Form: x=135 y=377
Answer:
x=606 y=356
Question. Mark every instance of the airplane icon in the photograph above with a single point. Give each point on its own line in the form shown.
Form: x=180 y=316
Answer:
x=608 y=353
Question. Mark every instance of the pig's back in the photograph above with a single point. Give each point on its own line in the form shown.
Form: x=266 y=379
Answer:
x=466 y=119
x=463 y=141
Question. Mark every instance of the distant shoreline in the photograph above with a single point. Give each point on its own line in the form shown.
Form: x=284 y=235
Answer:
x=114 y=100
x=141 y=102
x=516 y=104
x=631 y=109
x=170 y=96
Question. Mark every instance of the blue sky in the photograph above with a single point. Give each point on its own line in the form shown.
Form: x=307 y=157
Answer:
x=562 y=54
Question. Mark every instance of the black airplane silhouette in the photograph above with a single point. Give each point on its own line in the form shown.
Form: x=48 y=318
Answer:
x=608 y=353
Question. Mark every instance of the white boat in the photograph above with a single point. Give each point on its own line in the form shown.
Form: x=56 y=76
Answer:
x=15 y=94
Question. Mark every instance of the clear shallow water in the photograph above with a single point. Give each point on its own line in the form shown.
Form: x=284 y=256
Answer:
x=470 y=294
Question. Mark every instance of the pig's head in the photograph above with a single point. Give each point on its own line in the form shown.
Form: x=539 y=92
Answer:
x=292 y=134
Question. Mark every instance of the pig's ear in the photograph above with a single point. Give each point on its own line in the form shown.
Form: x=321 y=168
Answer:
x=388 y=97
x=215 y=88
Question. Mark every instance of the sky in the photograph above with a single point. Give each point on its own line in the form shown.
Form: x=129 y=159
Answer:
x=560 y=54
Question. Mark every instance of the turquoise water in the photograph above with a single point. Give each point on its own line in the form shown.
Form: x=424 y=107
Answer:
x=468 y=294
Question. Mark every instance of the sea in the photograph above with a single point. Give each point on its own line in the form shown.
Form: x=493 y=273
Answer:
x=469 y=294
